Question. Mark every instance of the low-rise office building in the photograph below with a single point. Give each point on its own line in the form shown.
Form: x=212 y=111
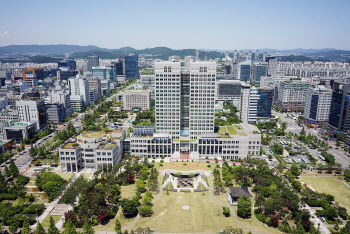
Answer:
x=231 y=142
x=18 y=131
x=137 y=99
x=91 y=150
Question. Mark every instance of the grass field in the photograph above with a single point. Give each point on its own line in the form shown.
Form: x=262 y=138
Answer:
x=128 y=191
x=327 y=184
x=46 y=222
x=190 y=166
x=204 y=215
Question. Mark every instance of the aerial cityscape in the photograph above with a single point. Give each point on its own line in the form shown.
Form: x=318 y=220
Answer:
x=174 y=117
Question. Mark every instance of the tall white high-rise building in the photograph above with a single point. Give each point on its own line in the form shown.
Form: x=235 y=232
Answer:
x=254 y=98
x=317 y=105
x=185 y=98
x=244 y=110
x=273 y=65
x=79 y=87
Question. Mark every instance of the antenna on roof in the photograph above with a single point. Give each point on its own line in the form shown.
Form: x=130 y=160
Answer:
x=197 y=57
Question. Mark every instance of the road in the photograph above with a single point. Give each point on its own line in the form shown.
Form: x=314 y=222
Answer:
x=340 y=156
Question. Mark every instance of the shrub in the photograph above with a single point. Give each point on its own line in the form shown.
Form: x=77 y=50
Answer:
x=178 y=186
x=191 y=175
x=207 y=161
x=226 y=211
x=145 y=210
x=161 y=164
x=153 y=161
x=161 y=161
x=206 y=157
x=260 y=217
x=208 y=165
x=216 y=161
x=269 y=222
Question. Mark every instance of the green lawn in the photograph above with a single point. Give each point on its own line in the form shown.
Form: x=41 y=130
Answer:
x=327 y=184
x=204 y=215
x=128 y=191
x=46 y=222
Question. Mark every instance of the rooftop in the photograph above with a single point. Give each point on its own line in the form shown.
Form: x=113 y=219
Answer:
x=70 y=145
x=107 y=146
x=93 y=134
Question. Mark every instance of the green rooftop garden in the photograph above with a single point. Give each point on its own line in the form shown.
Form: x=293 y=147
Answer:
x=231 y=130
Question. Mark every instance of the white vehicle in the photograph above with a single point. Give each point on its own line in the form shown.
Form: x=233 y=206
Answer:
x=321 y=157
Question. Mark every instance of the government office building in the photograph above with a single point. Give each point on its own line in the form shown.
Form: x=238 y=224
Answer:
x=185 y=114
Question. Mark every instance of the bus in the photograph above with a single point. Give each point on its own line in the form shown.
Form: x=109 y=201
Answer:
x=321 y=157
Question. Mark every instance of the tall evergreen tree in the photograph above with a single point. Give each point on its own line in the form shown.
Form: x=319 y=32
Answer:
x=2 y=178
x=39 y=229
x=117 y=226
x=7 y=172
x=13 y=168
x=70 y=228
x=25 y=228
x=87 y=229
x=52 y=227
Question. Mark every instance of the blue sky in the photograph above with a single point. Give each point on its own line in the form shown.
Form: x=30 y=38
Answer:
x=215 y=24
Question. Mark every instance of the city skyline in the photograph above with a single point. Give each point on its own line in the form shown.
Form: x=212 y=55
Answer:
x=221 y=25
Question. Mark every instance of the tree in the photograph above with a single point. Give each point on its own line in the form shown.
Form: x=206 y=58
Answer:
x=302 y=132
x=87 y=229
x=153 y=183
x=52 y=227
x=129 y=207
x=346 y=228
x=25 y=228
x=69 y=229
x=145 y=210
x=226 y=211
x=39 y=229
x=347 y=175
x=117 y=226
x=140 y=186
x=32 y=151
x=7 y=172
x=244 y=207
x=295 y=170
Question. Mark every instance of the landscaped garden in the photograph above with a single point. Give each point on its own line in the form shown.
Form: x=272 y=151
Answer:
x=328 y=184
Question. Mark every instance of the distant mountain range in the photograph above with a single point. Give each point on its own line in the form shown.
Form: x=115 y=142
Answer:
x=77 y=51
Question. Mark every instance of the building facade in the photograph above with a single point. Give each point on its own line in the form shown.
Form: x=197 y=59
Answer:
x=93 y=61
x=317 y=106
x=339 y=115
x=131 y=67
x=137 y=99
x=291 y=95
x=229 y=90
x=259 y=70
x=95 y=83
x=32 y=111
